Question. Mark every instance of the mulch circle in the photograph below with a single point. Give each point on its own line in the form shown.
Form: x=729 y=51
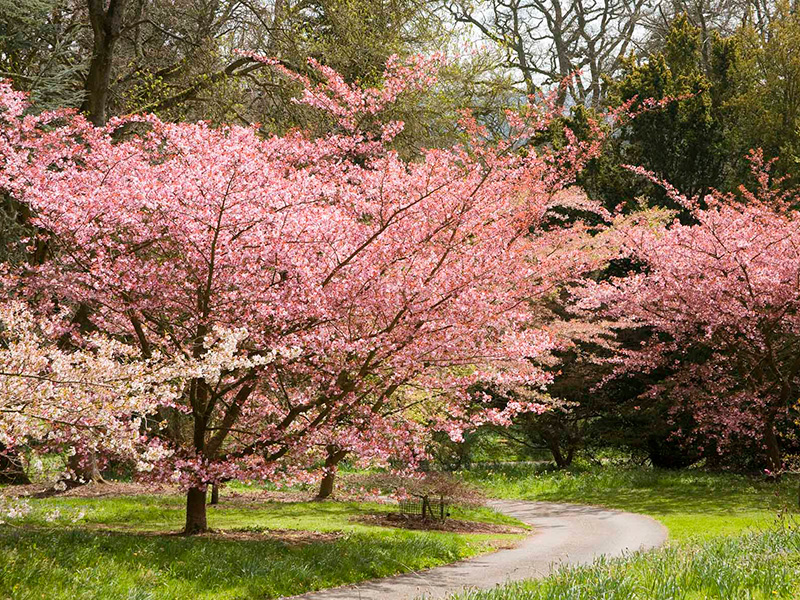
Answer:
x=452 y=525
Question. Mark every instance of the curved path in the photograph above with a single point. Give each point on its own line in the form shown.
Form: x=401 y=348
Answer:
x=564 y=534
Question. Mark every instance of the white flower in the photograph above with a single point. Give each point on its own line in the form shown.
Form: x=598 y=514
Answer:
x=53 y=516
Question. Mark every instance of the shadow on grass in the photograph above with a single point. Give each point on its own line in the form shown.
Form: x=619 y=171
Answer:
x=59 y=564
x=146 y=513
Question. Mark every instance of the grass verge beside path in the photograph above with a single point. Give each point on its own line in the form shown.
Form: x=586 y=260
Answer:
x=692 y=504
x=731 y=537
x=122 y=549
x=755 y=566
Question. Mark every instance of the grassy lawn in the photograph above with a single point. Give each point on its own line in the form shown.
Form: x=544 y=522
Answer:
x=727 y=542
x=123 y=549
x=692 y=504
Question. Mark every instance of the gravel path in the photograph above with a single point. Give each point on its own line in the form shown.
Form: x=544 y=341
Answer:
x=564 y=534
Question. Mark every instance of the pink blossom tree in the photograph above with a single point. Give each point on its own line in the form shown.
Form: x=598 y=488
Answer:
x=94 y=397
x=722 y=298
x=295 y=284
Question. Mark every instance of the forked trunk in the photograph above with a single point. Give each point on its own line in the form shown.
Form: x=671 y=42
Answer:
x=563 y=461
x=195 y=512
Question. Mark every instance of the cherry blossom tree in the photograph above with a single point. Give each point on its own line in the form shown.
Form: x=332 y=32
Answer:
x=294 y=285
x=94 y=397
x=721 y=298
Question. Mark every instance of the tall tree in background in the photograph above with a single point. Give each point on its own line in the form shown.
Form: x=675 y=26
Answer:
x=769 y=105
x=178 y=59
x=689 y=140
x=547 y=41
x=731 y=94
x=710 y=17
x=38 y=40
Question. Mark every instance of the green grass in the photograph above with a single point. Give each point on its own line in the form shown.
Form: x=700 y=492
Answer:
x=732 y=537
x=753 y=566
x=692 y=504
x=148 y=513
x=724 y=542
x=121 y=549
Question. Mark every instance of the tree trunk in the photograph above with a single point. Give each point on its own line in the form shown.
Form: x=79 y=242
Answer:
x=570 y=455
x=195 y=512
x=97 y=84
x=106 y=29
x=196 y=497
x=86 y=471
x=558 y=458
x=774 y=462
x=214 y=495
x=11 y=470
x=326 y=486
x=555 y=449
x=276 y=34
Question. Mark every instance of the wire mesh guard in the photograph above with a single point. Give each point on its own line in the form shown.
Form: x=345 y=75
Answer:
x=426 y=507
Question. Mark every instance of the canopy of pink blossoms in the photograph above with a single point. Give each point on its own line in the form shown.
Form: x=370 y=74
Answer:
x=722 y=295
x=300 y=289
